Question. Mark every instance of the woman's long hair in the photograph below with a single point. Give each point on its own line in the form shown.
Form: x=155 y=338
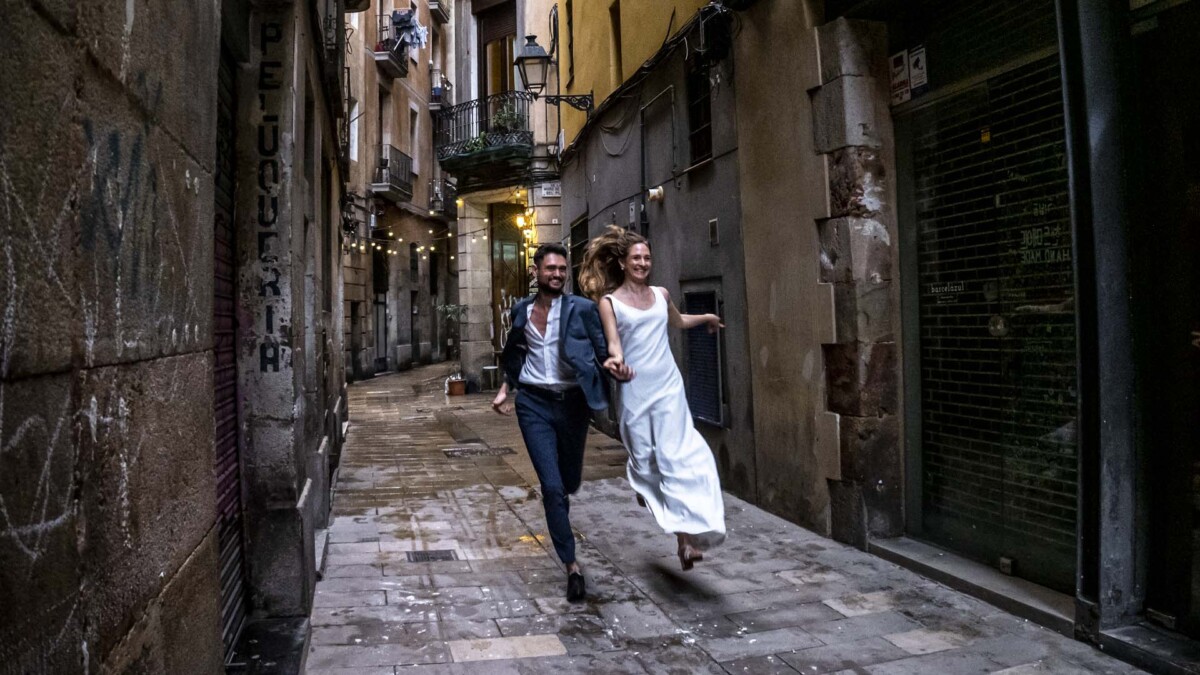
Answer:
x=601 y=273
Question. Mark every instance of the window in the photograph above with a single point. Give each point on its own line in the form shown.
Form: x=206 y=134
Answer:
x=614 y=19
x=699 y=109
x=579 y=241
x=414 y=263
x=414 y=150
x=354 y=131
x=434 y=259
x=497 y=48
x=384 y=112
x=705 y=376
x=570 y=41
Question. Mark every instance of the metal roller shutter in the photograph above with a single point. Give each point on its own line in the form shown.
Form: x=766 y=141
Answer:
x=997 y=325
x=225 y=413
x=703 y=360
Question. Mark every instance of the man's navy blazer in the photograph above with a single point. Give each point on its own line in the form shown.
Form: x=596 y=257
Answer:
x=581 y=345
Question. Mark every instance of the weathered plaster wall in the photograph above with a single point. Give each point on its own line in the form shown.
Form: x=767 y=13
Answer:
x=107 y=145
x=783 y=191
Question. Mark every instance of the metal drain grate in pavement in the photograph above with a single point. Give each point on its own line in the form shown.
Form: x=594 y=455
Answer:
x=477 y=452
x=440 y=555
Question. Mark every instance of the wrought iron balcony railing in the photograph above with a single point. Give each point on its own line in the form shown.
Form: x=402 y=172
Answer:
x=391 y=54
x=394 y=175
x=485 y=125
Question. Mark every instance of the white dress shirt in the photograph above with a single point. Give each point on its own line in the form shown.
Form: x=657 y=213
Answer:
x=543 y=367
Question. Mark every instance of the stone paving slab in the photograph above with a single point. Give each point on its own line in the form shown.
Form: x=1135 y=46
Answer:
x=774 y=599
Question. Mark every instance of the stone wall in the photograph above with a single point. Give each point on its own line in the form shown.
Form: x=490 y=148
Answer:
x=107 y=146
x=852 y=130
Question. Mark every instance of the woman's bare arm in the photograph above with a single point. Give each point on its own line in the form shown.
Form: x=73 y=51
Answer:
x=686 y=321
x=608 y=319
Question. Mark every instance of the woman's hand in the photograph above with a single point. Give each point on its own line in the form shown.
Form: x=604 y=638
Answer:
x=617 y=367
x=713 y=322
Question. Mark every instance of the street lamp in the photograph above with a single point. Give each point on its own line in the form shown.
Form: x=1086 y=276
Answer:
x=533 y=63
x=534 y=66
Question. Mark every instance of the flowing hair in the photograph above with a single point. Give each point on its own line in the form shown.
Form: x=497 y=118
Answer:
x=601 y=273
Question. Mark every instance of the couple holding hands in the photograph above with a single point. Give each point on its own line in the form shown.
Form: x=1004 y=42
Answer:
x=553 y=356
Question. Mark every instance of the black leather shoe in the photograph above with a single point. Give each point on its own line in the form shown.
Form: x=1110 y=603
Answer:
x=576 y=587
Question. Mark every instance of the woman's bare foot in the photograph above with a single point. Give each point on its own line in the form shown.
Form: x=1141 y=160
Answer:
x=688 y=554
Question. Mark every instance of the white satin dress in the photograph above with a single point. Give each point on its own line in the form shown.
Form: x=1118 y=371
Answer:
x=670 y=464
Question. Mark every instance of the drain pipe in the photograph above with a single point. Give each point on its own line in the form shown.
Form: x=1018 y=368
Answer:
x=1094 y=38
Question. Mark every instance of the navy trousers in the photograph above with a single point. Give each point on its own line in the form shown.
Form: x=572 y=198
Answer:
x=555 y=430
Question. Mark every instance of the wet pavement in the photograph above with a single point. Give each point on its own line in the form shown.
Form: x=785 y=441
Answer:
x=438 y=562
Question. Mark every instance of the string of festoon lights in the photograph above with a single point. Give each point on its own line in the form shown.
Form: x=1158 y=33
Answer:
x=389 y=245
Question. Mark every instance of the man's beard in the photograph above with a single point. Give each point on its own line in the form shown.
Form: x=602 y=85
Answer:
x=548 y=290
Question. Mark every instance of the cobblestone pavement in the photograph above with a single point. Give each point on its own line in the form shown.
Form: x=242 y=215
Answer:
x=424 y=475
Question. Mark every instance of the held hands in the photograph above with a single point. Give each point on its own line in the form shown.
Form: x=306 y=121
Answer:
x=620 y=371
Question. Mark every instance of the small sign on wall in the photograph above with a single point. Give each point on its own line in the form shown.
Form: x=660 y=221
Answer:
x=910 y=74
x=901 y=82
x=918 y=71
x=552 y=189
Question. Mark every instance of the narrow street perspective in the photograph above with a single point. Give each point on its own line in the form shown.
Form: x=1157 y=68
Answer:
x=869 y=328
x=438 y=562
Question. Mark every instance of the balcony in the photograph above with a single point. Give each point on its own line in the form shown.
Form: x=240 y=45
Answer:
x=443 y=199
x=440 y=90
x=441 y=10
x=391 y=54
x=393 y=176
x=486 y=142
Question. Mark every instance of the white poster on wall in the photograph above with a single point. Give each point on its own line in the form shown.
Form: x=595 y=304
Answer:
x=901 y=85
x=918 y=70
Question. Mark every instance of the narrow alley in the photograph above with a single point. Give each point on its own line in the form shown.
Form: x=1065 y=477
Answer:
x=437 y=562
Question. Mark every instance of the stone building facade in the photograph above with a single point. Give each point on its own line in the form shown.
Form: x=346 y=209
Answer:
x=400 y=263
x=498 y=144
x=170 y=396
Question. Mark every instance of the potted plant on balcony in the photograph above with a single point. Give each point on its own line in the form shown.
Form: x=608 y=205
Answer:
x=506 y=119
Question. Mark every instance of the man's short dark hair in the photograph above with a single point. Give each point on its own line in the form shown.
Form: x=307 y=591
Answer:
x=544 y=249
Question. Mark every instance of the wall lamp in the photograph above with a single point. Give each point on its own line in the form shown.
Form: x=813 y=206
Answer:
x=534 y=66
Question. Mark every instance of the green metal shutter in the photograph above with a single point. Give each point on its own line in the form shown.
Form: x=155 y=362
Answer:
x=997 y=326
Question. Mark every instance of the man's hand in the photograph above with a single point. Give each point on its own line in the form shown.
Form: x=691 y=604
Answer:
x=501 y=404
x=617 y=367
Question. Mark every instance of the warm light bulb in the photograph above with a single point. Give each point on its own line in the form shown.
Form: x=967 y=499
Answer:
x=452 y=257
x=459 y=201
x=432 y=248
x=520 y=221
x=472 y=240
x=400 y=239
x=391 y=234
x=431 y=232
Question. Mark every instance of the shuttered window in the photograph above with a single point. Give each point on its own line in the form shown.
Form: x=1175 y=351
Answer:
x=703 y=352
